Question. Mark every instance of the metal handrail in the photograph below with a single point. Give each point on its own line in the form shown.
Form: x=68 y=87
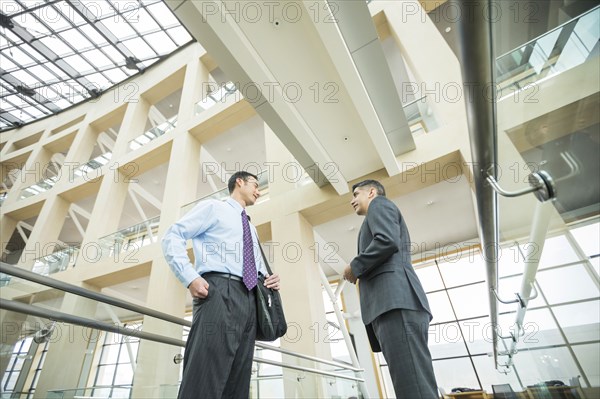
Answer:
x=307 y=357
x=24 y=308
x=475 y=43
x=74 y=289
x=51 y=314
x=56 y=315
x=549 y=32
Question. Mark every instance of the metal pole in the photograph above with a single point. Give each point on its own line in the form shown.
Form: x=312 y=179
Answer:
x=73 y=289
x=477 y=61
x=343 y=329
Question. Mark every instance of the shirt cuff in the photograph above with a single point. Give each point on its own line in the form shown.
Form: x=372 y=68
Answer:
x=187 y=276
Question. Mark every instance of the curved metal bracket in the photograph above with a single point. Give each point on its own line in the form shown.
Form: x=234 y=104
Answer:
x=505 y=301
x=541 y=185
x=520 y=300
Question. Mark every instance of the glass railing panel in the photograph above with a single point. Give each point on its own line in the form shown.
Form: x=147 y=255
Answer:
x=263 y=187
x=153 y=133
x=41 y=186
x=57 y=261
x=217 y=96
x=131 y=238
x=419 y=116
x=91 y=165
x=549 y=54
x=553 y=130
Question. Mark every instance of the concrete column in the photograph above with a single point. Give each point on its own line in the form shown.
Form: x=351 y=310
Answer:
x=44 y=236
x=302 y=298
x=31 y=173
x=7 y=228
x=133 y=125
x=80 y=152
x=155 y=365
x=196 y=74
x=105 y=215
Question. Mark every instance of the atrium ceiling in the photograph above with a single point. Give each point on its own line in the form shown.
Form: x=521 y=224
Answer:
x=55 y=54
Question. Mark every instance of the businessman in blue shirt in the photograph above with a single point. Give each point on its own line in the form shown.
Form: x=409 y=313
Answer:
x=222 y=281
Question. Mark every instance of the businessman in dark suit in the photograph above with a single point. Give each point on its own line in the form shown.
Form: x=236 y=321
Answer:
x=393 y=304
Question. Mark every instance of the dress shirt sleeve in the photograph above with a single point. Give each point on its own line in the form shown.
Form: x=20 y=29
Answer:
x=382 y=218
x=193 y=224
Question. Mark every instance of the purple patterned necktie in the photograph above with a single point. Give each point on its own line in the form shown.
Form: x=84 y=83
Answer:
x=249 y=272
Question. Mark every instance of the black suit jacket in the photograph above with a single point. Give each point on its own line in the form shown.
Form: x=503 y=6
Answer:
x=383 y=265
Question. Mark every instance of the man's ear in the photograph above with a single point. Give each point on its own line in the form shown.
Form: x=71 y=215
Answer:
x=372 y=192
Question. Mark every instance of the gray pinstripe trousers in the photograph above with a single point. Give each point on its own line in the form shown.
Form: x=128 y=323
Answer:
x=220 y=346
x=403 y=335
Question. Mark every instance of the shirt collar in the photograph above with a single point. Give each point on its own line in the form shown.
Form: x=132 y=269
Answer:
x=236 y=205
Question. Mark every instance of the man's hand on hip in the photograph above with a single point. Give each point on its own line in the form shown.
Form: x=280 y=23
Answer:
x=199 y=288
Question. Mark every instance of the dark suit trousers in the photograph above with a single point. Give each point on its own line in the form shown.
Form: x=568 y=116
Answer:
x=220 y=345
x=403 y=336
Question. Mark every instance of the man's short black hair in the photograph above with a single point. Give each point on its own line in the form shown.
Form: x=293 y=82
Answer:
x=238 y=175
x=371 y=183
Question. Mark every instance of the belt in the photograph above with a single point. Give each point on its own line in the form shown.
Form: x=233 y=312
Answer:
x=228 y=276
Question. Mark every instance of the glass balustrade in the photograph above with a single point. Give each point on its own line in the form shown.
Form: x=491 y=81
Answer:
x=549 y=55
x=131 y=238
x=217 y=96
x=263 y=187
x=554 y=129
x=153 y=133
x=41 y=186
x=57 y=261
x=92 y=164
x=419 y=116
x=109 y=354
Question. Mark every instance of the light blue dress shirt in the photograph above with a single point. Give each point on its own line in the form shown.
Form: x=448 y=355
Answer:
x=215 y=228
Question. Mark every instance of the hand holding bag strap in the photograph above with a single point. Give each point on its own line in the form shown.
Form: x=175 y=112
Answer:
x=270 y=316
x=265 y=259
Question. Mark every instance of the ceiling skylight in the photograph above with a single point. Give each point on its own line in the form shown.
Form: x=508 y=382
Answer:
x=57 y=53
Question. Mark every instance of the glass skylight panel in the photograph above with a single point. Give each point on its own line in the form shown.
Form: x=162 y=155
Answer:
x=70 y=13
x=138 y=47
x=7 y=64
x=25 y=78
x=76 y=39
x=115 y=74
x=80 y=65
x=180 y=35
x=98 y=58
x=53 y=69
x=145 y=22
x=41 y=73
x=56 y=45
x=16 y=40
x=32 y=53
x=163 y=14
x=34 y=112
x=99 y=9
x=20 y=57
x=119 y=28
x=51 y=18
x=100 y=81
x=139 y=26
x=62 y=103
x=93 y=35
x=161 y=42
